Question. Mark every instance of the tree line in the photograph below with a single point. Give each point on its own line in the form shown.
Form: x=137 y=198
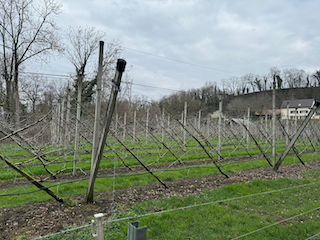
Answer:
x=29 y=34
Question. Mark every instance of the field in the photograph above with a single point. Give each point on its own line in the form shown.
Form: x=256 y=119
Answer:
x=221 y=174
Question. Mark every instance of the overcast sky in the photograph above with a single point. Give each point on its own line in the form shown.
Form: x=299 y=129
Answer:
x=228 y=38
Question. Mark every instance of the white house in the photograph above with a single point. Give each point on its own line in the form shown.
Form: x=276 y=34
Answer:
x=298 y=108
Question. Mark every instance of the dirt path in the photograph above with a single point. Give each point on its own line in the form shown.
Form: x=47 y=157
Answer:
x=43 y=218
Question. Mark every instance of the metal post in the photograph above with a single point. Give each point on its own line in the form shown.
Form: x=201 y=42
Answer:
x=248 y=126
x=287 y=123
x=116 y=125
x=296 y=119
x=134 y=123
x=67 y=134
x=77 y=134
x=185 y=124
x=124 y=125
x=147 y=123
x=274 y=154
x=162 y=124
x=219 y=128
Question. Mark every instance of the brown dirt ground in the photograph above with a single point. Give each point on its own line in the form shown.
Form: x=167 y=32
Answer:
x=43 y=218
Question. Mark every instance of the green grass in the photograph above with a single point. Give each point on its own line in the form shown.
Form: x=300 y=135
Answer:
x=104 y=184
x=229 y=219
x=153 y=156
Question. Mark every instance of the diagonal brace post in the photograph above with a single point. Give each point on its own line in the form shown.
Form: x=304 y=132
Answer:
x=296 y=136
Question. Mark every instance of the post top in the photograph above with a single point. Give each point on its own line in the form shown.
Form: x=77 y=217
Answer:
x=121 y=65
x=98 y=215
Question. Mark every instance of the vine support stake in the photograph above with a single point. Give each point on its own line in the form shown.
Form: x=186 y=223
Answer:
x=121 y=64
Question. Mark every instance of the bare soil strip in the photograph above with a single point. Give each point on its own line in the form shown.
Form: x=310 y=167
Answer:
x=43 y=218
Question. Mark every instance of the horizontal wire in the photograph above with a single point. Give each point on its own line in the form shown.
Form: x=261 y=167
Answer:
x=212 y=202
x=191 y=206
x=63 y=232
x=179 y=61
x=276 y=223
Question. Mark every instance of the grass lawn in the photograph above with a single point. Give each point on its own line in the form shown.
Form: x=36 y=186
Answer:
x=232 y=211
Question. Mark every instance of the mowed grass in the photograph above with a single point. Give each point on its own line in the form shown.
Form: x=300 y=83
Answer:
x=229 y=212
x=147 y=157
x=143 y=178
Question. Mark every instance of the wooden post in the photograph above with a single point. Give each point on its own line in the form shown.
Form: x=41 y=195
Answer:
x=32 y=180
x=99 y=235
x=77 y=134
x=98 y=104
x=297 y=134
x=108 y=117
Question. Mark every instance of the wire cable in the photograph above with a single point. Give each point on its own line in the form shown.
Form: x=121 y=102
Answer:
x=276 y=223
x=174 y=60
x=217 y=201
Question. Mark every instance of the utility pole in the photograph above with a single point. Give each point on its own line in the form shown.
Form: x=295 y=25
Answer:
x=121 y=64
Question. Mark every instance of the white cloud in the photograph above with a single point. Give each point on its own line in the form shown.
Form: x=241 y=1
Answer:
x=232 y=36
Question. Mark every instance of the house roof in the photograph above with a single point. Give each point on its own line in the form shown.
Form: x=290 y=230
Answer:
x=298 y=103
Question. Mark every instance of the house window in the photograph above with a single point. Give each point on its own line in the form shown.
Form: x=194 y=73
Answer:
x=304 y=111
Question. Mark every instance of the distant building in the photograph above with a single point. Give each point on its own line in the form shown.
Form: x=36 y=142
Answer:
x=299 y=108
x=268 y=113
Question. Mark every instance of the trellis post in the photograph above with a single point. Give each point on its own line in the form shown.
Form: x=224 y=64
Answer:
x=219 y=128
x=99 y=235
x=274 y=140
x=98 y=104
x=107 y=121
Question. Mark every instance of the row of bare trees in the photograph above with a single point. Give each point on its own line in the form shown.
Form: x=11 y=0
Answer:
x=28 y=35
x=286 y=78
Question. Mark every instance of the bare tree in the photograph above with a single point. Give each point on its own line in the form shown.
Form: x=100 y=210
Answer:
x=316 y=76
x=249 y=79
x=84 y=41
x=294 y=77
x=28 y=31
x=32 y=87
x=233 y=85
